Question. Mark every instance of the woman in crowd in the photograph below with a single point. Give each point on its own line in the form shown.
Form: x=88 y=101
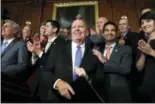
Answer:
x=146 y=57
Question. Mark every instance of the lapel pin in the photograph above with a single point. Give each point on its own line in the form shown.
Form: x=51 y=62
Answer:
x=54 y=43
x=116 y=50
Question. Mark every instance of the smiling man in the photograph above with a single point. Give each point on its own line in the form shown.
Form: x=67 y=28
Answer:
x=117 y=65
x=63 y=68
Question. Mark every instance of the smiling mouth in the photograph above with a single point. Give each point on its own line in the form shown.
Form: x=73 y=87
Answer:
x=77 y=33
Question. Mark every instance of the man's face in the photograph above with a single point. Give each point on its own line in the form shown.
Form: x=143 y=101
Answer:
x=49 y=29
x=109 y=33
x=78 y=30
x=7 y=30
x=42 y=30
x=100 y=23
x=123 y=26
x=26 y=32
x=65 y=32
x=148 y=25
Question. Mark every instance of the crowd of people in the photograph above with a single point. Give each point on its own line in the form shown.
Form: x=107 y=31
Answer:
x=119 y=65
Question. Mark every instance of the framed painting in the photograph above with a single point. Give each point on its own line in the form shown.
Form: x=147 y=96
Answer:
x=65 y=13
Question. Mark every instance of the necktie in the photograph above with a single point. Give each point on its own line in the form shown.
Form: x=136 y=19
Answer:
x=108 y=53
x=48 y=45
x=78 y=58
x=4 y=45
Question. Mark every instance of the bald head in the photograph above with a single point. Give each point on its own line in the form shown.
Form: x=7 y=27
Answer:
x=79 y=16
x=100 y=23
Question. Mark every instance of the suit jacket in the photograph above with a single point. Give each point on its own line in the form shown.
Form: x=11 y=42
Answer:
x=34 y=72
x=135 y=76
x=58 y=66
x=148 y=84
x=116 y=69
x=131 y=39
x=14 y=58
x=141 y=35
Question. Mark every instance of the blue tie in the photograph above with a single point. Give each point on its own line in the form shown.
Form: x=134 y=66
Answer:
x=78 y=58
x=4 y=45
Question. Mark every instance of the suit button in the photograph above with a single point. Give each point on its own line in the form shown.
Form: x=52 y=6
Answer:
x=41 y=66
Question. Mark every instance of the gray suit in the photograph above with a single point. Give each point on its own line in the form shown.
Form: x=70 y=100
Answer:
x=14 y=58
x=116 y=70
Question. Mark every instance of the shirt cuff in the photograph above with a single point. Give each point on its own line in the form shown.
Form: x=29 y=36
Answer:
x=54 y=86
x=40 y=55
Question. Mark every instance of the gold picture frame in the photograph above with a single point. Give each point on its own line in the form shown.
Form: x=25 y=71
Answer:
x=86 y=7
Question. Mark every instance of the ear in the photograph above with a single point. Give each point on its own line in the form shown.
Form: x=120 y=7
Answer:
x=55 y=29
x=14 y=31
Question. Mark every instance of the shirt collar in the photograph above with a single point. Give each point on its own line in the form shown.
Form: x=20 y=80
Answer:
x=52 y=40
x=9 y=41
x=112 y=45
x=124 y=34
x=75 y=44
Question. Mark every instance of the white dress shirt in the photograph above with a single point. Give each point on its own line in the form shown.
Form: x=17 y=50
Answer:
x=8 y=41
x=124 y=34
x=112 y=47
x=48 y=45
x=34 y=59
x=74 y=49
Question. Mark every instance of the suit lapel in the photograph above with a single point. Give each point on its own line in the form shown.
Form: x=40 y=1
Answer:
x=9 y=47
x=84 y=59
x=115 y=50
x=53 y=43
x=68 y=60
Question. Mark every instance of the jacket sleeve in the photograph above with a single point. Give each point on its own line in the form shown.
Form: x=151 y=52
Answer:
x=123 y=67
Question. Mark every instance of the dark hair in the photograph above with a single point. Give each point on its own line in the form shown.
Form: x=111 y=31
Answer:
x=110 y=23
x=55 y=23
x=147 y=15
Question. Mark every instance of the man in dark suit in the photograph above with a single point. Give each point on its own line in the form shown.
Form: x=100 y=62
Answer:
x=14 y=54
x=65 y=66
x=131 y=39
x=117 y=65
x=40 y=54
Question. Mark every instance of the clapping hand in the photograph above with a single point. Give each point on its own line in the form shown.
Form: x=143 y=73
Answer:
x=99 y=55
x=34 y=48
x=144 y=47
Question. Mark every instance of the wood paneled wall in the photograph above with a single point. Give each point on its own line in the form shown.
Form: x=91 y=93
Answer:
x=22 y=10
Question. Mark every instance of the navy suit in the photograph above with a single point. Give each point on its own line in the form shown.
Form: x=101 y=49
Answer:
x=59 y=65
